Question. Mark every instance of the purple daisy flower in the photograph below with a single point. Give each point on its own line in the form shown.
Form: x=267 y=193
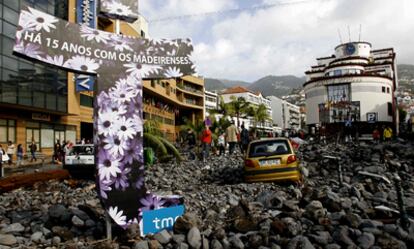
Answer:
x=151 y=202
x=104 y=186
x=121 y=181
x=140 y=182
x=133 y=152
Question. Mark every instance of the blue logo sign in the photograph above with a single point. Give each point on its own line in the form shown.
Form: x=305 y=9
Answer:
x=84 y=82
x=154 y=221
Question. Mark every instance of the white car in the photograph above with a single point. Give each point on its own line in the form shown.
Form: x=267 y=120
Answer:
x=80 y=161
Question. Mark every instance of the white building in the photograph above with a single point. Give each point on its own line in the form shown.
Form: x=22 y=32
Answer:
x=285 y=114
x=356 y=83
x=210 y=102
x=254 y=99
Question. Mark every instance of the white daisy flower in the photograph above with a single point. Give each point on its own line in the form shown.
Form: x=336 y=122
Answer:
x=30 y=50
x=82 y=63
x=40 y=20
x=118 y=217
x=120 y=44
x=173 y=52
x=94 y=34
x=119 y=9
x=156 y=41
x=108 y=167
x=25 y=25
x=126 y=128
x=115 y=145
x=56 y=60
x=106 y=123
x=141 y=71
x=173 y=72
x=122 y=93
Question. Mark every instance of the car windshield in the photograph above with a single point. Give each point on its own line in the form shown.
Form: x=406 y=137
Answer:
x=269 y=148
x=81 y=150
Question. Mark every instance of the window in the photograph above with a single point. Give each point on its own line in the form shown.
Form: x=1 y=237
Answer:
x=152 y=83
x=7 y=130
x=383 y=89
x=337 y=93
x=388 y=90
x=86 y=100
x=390 y=112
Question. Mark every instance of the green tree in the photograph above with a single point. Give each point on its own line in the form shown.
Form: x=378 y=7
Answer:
x=238 y=107
x=222 y=108
x=154 y=139
x=259 y=114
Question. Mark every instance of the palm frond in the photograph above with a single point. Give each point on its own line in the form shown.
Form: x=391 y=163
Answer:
x=156 y=143
x=171 y=148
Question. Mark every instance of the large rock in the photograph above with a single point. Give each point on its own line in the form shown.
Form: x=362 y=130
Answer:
x=7 y=239
x=236 y=242
x=13 y=228
x=184 y=223
x=366 y=240
x=300 y=242
x=163 y=237
x=194 y=238
x=314 y=210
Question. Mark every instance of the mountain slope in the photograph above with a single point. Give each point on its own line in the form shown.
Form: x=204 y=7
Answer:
x=213 y=84
x=277 y=85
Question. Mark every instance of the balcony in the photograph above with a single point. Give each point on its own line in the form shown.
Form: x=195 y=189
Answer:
x=189 y=89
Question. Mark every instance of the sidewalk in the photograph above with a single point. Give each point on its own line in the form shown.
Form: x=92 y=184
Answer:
x=27 y=167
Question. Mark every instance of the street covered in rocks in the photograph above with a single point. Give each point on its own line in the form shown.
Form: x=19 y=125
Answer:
x=224 y=212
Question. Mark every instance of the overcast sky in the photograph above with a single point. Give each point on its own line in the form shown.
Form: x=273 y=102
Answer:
x=285 y=39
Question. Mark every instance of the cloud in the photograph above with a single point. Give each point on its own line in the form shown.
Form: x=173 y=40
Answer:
x=285 y=39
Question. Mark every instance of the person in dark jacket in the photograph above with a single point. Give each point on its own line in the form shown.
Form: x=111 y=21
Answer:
x=33 y=149
x=244 y=139
x=191 y=142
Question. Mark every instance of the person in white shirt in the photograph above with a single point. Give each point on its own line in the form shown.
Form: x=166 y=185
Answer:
x=10 y=151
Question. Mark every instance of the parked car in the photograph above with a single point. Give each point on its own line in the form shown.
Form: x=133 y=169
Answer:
x=271 y=159
x=80 y=162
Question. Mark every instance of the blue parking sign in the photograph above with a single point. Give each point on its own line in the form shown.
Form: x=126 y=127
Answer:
x=154 y=221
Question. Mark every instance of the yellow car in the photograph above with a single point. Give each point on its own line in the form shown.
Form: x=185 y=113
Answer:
x=271 y=160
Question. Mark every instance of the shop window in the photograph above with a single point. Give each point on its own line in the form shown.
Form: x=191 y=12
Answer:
x=7 y=130
x=86 y=100
x=340 y=92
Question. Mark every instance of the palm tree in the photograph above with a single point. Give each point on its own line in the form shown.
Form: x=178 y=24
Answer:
x=260 y=115
x=153 y=138
x=239 y=107
x=222 y=108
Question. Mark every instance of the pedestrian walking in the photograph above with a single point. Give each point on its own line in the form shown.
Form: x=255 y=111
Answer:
x=19 y=154
x=10 y=151
x=33 y=149
x=387 y=134
x=221 y=143
x=206 y=141
x=231 y=137
x=376 y=135
x=2 y=153
x=244 y=137
x=56 y=152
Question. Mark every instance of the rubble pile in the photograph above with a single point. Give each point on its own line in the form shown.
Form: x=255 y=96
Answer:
x=359 y=211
